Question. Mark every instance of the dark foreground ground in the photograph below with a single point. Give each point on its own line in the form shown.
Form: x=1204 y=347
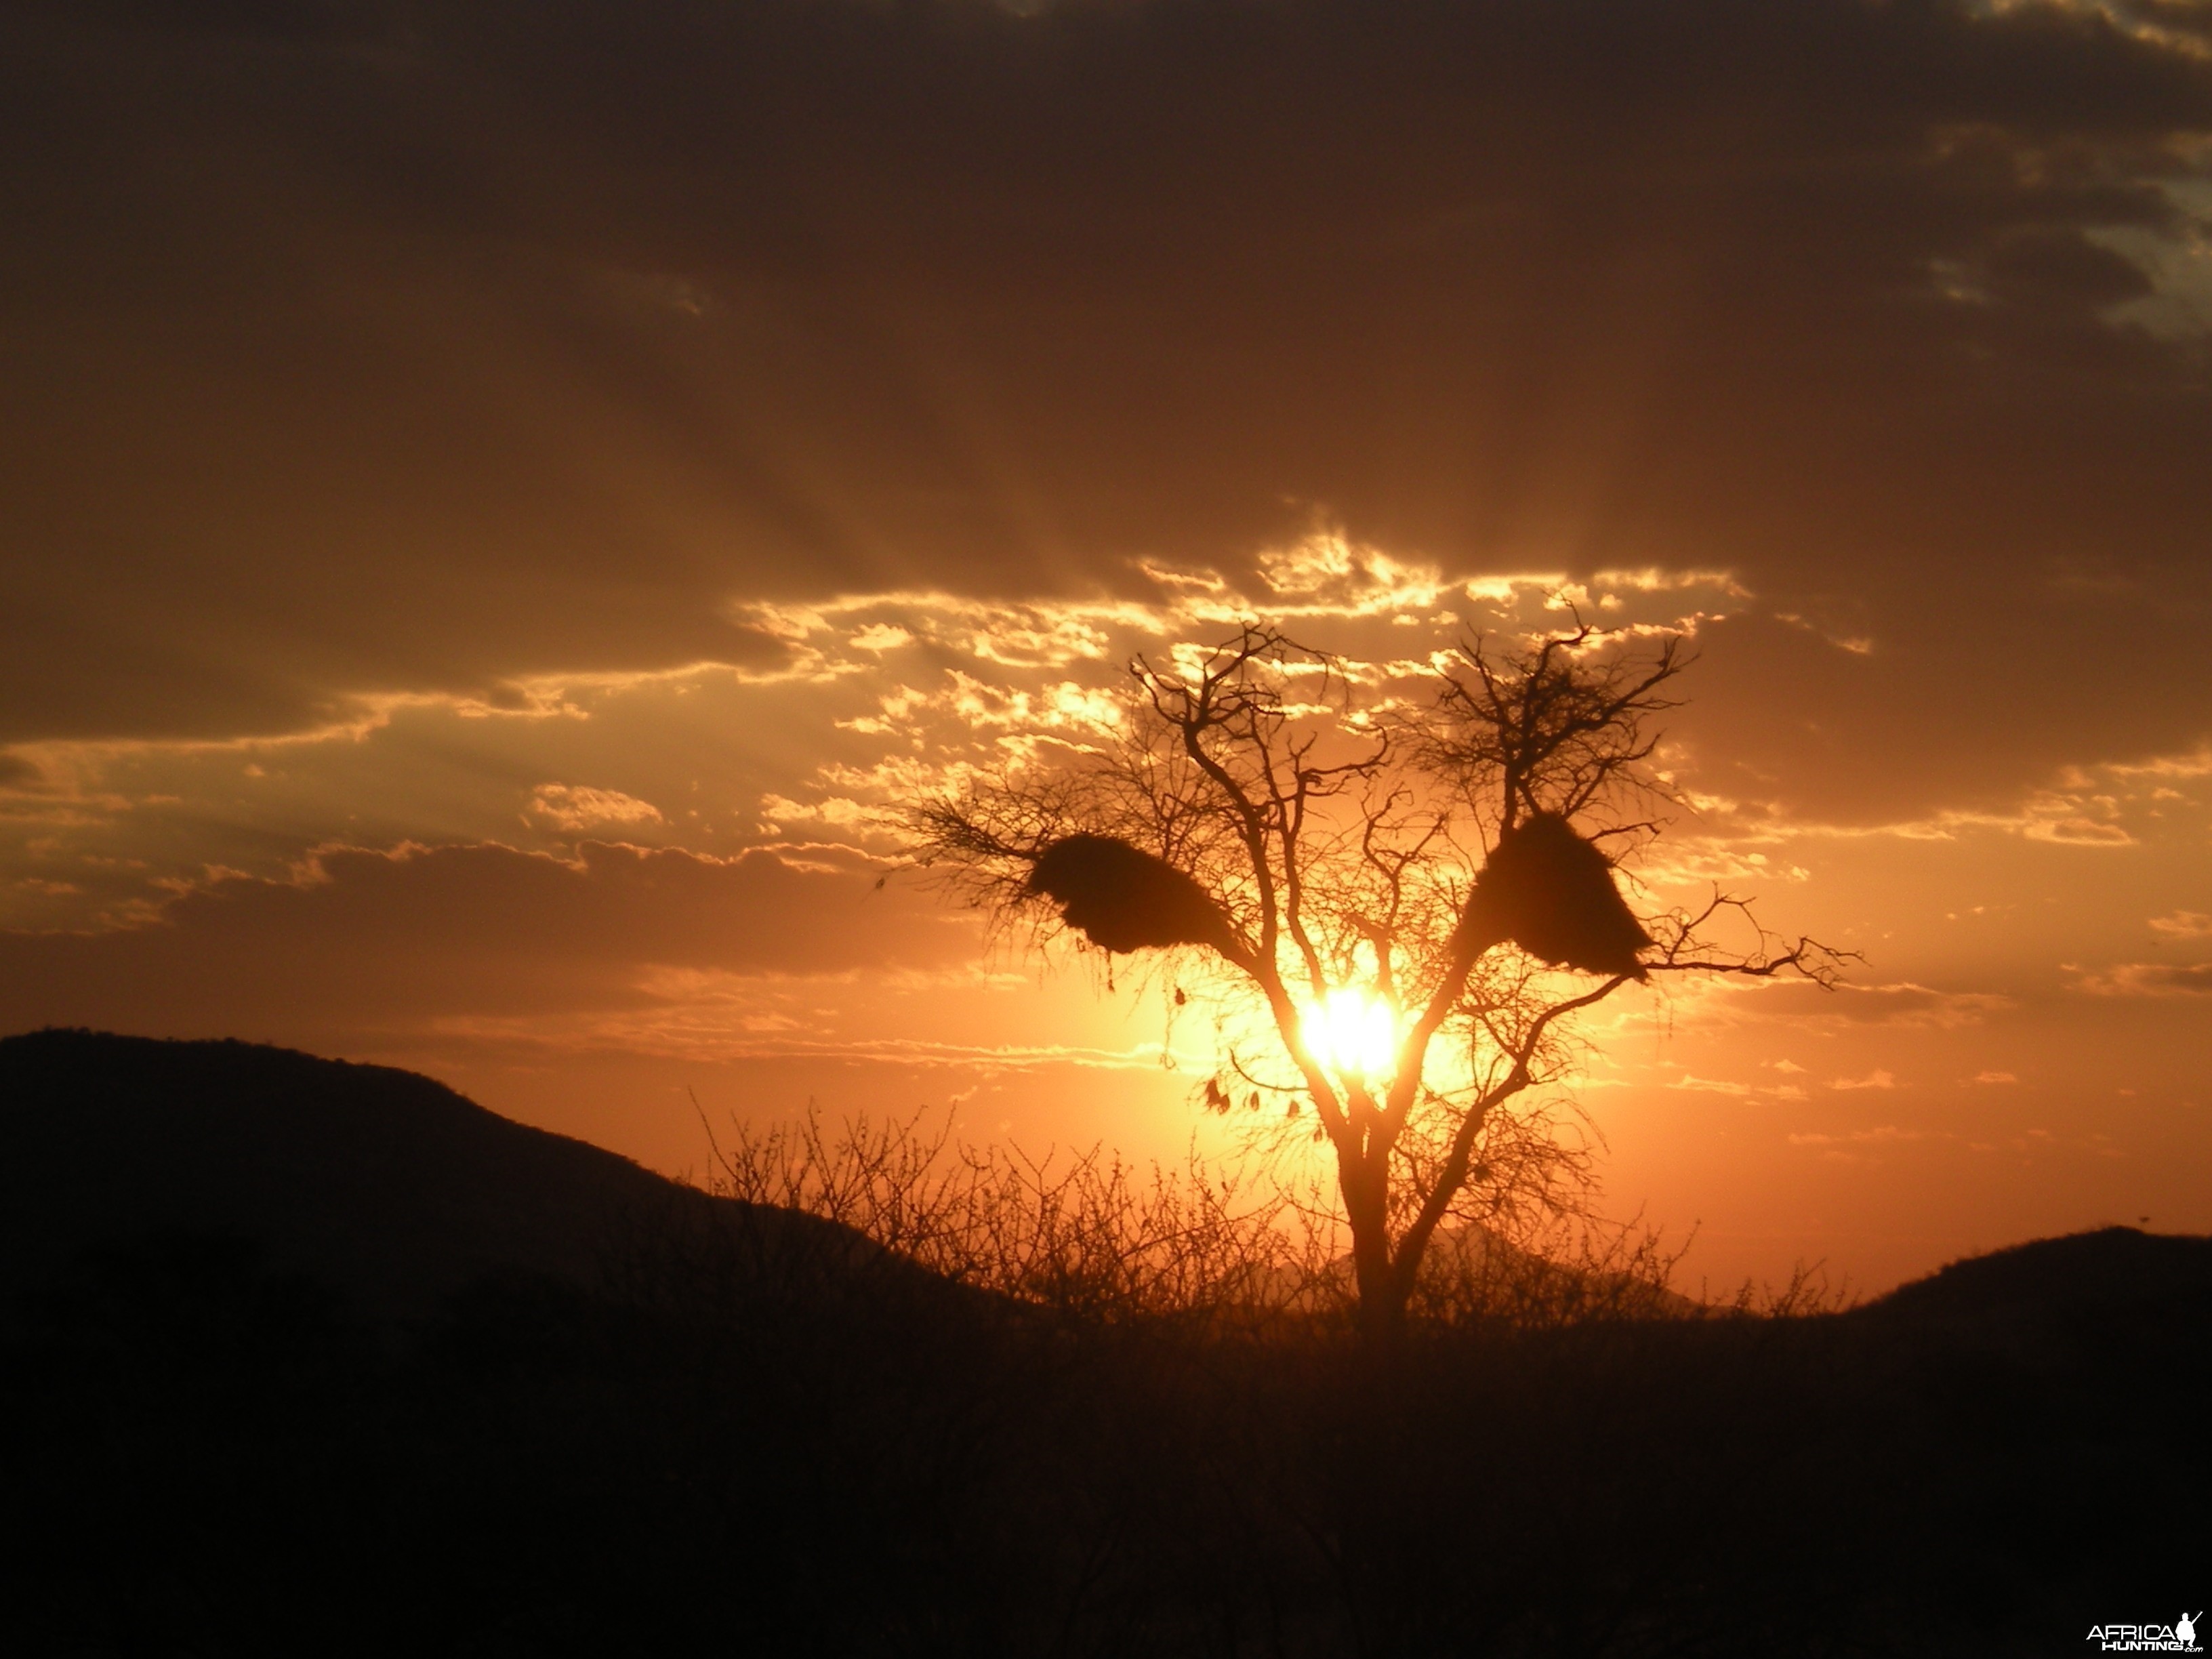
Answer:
x=542 y=1407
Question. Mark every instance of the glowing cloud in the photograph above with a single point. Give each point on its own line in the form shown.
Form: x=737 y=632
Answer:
x=577 y=806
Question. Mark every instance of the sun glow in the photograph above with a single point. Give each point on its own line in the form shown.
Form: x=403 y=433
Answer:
x=1354 y=1034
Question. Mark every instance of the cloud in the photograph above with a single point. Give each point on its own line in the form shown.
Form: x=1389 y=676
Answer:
x=1862 y=1147
x=2183 y=925
x=1903 y=1005
x=561 y=341
x=1711 y=1085
x=2080 y=832
x=2148 y=979
x=1691 y=1082
x=711 y=1034
x=1875 y=1079
x=369 y=940
x=1926 y=736
x=1886 y=1133
x=2175 y=263
x=575 y=806
x=1993 y=1078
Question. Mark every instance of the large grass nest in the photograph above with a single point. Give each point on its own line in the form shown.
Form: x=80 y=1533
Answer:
x=1122 y=898
x=1551 y=892
x=1546 y=889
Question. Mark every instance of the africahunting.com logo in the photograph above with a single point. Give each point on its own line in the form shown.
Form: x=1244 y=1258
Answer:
x=2179 y=1637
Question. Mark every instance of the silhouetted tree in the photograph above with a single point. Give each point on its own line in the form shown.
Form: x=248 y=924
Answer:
x=1408 y=876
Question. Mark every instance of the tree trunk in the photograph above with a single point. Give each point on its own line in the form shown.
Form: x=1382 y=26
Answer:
x=1382 y=1315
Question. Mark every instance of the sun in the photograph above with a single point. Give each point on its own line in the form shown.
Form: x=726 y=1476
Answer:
x=1355 y=1033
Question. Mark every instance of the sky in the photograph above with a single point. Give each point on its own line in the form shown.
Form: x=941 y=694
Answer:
x=500 y=501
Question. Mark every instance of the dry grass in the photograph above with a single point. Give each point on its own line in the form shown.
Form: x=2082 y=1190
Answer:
x=1090 y=1235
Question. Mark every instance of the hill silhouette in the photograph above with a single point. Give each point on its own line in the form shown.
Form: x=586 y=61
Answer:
x=294 y=1337
x=381 y=1183
x=2120 y=1275
x=400 y=1191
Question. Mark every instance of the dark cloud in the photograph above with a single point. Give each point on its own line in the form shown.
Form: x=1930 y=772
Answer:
x=361 y=345
x=379 y=942
x=1957 y=710
x=1850 y=1004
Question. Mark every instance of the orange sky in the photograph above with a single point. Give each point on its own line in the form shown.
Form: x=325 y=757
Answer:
x=498 y=502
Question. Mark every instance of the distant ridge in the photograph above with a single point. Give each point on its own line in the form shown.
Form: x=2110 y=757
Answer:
x=385 y=1183
x=2111 y=1275
x=400 y=1191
